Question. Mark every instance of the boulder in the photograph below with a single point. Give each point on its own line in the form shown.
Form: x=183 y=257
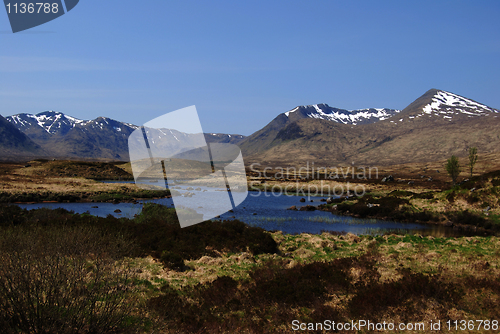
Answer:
x=293 y=207
x=388 y=179
x=308 y=208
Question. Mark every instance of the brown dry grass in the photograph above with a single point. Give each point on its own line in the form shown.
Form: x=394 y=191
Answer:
x=39 y=180
x=452 y=261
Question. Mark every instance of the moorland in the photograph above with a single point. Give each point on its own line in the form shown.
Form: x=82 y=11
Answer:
x=75 y=273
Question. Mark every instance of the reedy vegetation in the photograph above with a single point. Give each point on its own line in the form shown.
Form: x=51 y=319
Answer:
x=64 y=272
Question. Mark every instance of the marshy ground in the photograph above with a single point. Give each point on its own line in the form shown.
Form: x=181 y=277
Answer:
x=42 y=180
x=147 y=275
x=75 y=273
x=421 y=193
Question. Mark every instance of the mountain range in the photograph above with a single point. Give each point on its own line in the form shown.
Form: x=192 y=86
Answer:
x=433 y=127
x=56 y=135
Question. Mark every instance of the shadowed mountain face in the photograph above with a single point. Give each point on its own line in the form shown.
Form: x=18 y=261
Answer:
x=14 y=143
x=433 y=127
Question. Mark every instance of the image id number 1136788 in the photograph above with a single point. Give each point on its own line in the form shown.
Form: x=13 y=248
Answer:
x=31 y=8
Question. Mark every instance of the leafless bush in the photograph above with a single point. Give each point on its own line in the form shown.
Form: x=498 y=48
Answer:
x=62 y=279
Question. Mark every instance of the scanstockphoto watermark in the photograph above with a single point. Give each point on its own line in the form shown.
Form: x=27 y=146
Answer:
x=296 y=181
x=365 y=325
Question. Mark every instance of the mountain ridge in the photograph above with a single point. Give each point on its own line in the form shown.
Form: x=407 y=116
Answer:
x=434 y=126
x=321 y=132
x=354 y=117
x=61 y=135
x=263 y=137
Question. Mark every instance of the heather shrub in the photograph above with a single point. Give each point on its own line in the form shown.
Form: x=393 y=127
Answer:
x=63 y=279
x=158 y=233
x=467 y=218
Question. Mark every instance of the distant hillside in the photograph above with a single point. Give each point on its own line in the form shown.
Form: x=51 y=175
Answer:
x=63 y=136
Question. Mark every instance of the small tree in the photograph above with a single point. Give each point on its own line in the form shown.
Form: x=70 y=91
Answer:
x=472 y=159
x=453 y=168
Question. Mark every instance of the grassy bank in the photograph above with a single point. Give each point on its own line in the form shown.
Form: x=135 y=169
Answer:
x=226 y=277
x=68 y=181
x=472 y=205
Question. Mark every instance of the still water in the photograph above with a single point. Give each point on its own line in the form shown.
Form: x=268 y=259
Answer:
x=269 y=211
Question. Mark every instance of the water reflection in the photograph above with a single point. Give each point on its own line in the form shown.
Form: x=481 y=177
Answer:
x=269 y=211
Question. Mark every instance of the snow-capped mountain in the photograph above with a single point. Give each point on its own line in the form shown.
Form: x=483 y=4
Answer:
x=453 y=104
x=52 y=122
x=440 y=105
x=64 y=136
x=433 y=127
x=353 y=117
x=57 y=123
x=259 y=140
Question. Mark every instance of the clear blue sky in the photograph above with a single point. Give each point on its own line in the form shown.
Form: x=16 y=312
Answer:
x=244 y=62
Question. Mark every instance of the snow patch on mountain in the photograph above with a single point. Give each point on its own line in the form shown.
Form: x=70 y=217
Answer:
x=352 y=117
x=50 y=121
x=54 y=122
x=446 y=104
x=293 y=110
